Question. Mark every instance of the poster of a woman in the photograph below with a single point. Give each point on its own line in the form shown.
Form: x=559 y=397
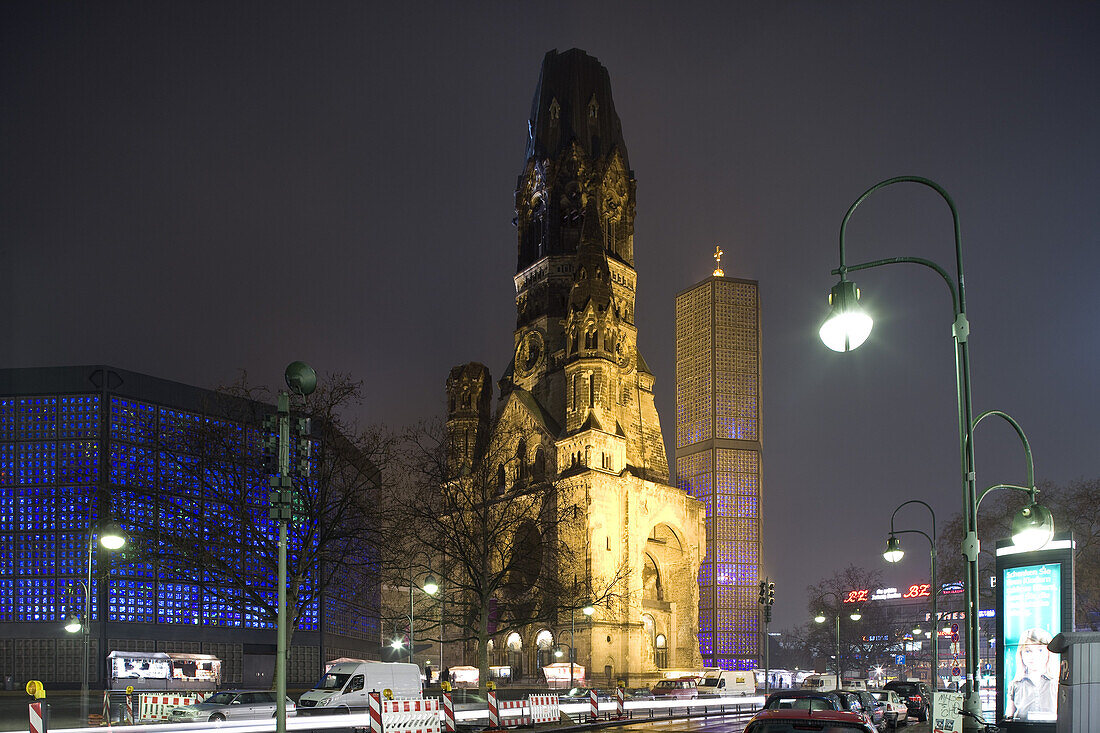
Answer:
x=1033 y=692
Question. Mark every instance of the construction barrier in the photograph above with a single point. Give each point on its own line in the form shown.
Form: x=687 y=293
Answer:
x=593 y=706
x=411 y=716
x=158 y=706
x=448 y=713
x=375 y=712
x=620 y=703
x=107 y=707
x=494 y=712
x=544 y=709
x=38 y=714
x=130 y=706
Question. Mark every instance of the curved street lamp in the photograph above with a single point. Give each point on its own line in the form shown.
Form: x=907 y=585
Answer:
x=894 y=553
x=820 y=617
x=847 y=327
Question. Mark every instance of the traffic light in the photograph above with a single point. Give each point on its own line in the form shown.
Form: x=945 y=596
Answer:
x=269 y=461
x=763 y=593
x=771 y=594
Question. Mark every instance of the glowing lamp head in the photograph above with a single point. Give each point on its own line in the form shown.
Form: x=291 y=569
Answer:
x=112 y=537
x=397 y=644
x=558 y=653
x=847 y=325
x=855 y=615
x=917 y=631
x=73 y=625
x=893 y=552
x=820 y=617
x=588 y=609
x=1032 y=527
x=430 y=586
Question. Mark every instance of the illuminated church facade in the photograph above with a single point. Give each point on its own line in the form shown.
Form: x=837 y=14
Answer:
x=578 y=382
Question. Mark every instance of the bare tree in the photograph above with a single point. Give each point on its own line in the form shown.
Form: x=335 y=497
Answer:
x=213 y=528
x=509 y=541
x=870 y=639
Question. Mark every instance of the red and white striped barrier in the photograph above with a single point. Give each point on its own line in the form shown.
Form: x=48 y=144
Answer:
x=593 y=705
x=620 y=703
x=448 y=713
x=107 y=707
x=158 y=707
x=494 y=711
x=37 y=718
x=411 y=716
x=544 y=709
x=130 y=707
x=375 y=712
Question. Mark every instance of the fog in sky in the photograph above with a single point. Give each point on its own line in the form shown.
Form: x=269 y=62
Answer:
x=193 y=189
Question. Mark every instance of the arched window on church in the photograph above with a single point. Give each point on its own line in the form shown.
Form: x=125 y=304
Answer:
x=538 y=471
x=501 y=479
x=590 y=339
x=521 y=461
x=661 y=657
x=591 y=390
x=588 y=456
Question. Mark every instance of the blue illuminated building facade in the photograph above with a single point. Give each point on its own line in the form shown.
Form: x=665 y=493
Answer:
x=85 y=445
x=718 y=457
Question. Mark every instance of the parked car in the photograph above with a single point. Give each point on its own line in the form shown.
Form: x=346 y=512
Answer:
x=681 y=689
x=872 y=707
x=850 y=700
x=803 y=700
x=897 y=712
x=915 y=695
x=230 y=705
x=825 y=721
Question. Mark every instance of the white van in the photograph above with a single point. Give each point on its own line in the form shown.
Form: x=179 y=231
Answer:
x=348 y=684
x=724 y=682
x=820 y=682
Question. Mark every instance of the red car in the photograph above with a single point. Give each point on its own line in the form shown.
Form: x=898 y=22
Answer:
x=808 y=721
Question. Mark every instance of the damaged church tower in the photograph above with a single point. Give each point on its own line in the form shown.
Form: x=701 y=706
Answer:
x=578 y=380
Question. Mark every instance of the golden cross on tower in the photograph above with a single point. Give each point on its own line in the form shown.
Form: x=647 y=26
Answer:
x=718 y=259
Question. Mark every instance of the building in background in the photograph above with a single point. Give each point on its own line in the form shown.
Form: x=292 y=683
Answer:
x=718 y=452
x=89 y=444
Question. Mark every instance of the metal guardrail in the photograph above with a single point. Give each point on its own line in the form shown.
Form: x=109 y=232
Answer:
x=648 y=709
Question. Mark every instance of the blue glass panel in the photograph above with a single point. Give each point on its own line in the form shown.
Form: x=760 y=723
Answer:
x=221 y=607
x=35 y=599
x=8 y=419
x=7 y=562
x=133 y=466
x=37 y=418
x=35 y=554
x=36 y=463
x=180 y=431
x=132 y=601
x=178 y=603
x=8 y=471
x=254 y=617
x=35 y=508
x=133 y=421
x=180 y=473
x=7 y=593
x=72 y=508
x=79 y=462
x=78 y=416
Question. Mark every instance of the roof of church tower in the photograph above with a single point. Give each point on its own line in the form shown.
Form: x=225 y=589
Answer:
x=576 y=82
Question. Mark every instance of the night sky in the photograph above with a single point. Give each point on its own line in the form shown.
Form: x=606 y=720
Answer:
x=192 y=189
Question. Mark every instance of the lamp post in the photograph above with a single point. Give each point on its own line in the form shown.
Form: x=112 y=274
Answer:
x=301 y=380
x=587 y=610
x=894 y=553
x=431 y=588
x=111 y=538
x=855 y=615
x=848 y=326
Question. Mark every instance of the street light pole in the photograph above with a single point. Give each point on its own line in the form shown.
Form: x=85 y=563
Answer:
x=839 y=335
x=894 y=553
x=820 y=618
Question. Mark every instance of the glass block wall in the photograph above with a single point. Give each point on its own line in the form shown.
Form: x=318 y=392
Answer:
x=49 y=468
x=718 y=448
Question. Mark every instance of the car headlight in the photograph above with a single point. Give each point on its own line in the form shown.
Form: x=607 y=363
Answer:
x=324 y=701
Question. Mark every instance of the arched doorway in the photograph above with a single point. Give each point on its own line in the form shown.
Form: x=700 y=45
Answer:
x=544 y=650
x=661 y=654
x=514 y=649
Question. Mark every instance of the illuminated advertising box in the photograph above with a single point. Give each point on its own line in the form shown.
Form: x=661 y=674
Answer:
x=1034 y=604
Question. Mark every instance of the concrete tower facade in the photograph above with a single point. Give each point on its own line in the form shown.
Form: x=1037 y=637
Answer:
x=718 y=457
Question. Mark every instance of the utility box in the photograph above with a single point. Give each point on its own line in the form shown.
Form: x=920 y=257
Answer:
x=1078 y=681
